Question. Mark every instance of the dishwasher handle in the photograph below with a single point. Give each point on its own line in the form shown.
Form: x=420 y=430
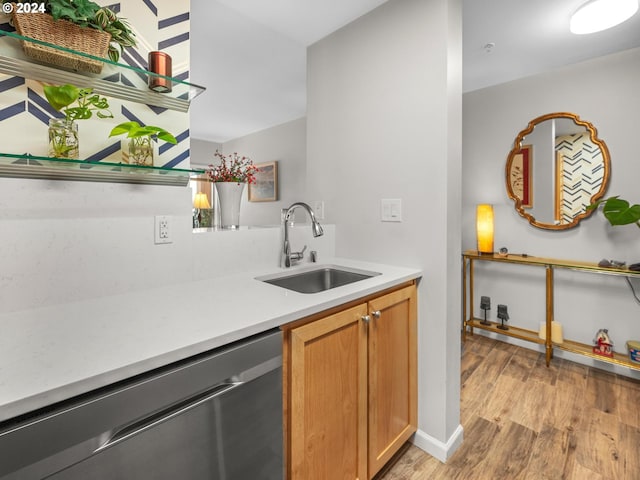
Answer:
x=156 y=418
x=167 y=414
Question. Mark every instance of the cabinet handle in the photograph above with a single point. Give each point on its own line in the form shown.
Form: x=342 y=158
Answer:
x=365 y=318
x=376 y=314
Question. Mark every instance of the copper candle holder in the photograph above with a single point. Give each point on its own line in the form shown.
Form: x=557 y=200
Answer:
x=160 y=63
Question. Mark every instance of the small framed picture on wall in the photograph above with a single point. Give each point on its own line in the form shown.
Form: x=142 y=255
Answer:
x=521 y=176
x=266 y=187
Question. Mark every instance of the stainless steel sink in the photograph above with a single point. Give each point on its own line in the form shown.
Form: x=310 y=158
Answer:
x=317 y=279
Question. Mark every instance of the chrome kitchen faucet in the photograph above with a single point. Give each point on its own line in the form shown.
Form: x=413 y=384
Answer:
x=287 y=257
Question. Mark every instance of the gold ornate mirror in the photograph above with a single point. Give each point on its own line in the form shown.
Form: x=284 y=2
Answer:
x=556 y=168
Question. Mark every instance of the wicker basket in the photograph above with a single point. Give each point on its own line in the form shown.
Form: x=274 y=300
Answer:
x=43 y=27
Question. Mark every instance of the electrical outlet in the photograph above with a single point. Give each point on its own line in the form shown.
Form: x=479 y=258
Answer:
x=318 y=209
x=162 y=229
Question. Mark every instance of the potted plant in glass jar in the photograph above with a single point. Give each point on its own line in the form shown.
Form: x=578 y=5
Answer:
x=140 y=150
x=76 y=104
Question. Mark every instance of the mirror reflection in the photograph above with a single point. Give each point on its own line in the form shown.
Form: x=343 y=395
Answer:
x=556 y=168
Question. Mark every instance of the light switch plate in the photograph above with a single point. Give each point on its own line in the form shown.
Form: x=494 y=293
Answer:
x=391 y=209
x=318 y=209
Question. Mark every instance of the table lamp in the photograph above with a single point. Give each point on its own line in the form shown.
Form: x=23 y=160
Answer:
x=200 y=201
x=484 y=228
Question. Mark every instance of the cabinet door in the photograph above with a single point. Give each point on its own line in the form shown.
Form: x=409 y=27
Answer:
x=392 y=374
x=329 y=398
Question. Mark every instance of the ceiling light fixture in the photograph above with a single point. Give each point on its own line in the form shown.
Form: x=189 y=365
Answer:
x=598 y=15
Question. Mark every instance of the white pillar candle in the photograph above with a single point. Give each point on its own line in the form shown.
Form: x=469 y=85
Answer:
x=556 y=332
x=542 y=331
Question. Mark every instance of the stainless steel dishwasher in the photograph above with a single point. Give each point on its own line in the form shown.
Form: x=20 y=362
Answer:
x=214 y=416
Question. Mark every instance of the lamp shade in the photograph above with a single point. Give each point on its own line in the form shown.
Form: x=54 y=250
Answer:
x=598 y=15
x=484 y=228
x=201 y=201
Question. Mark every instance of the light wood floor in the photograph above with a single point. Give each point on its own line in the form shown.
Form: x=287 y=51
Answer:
x=523 y=420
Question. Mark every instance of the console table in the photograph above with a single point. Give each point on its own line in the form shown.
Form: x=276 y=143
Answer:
x=470 y=322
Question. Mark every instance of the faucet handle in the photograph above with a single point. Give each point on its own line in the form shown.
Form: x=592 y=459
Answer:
x=298 y=255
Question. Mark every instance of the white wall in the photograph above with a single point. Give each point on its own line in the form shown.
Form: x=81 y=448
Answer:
x=603 y=91
x=65 y=241
x=384 y=121
x=286 y=143
x=77 y=240
x=202 y=152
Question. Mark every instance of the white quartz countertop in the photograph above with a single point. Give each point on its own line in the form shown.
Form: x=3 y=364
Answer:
x=55 y=353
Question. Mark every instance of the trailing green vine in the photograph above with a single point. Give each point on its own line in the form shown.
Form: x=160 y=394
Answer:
x=89 y=14
x=86 y=102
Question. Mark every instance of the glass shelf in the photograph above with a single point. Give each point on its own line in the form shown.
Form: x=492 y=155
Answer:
x=31 y=166
x=116 y=80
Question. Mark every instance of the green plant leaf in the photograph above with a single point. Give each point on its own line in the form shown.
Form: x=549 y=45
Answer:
x=595 y=205
x=79 y=12
x=87 y=13
x=85 y=9
x=78 y=113
x=134 y=130
x=61 y=96
x=114 y=53
x=99 y=102
x=167 y=137
x=124 y=128
x=59 y=11
x=144 y=131
x=161 y=133
x=620 y=212
x=101 y=19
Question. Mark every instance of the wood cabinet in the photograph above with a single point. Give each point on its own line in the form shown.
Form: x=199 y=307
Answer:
x=392 y=374
x=329 y=397
x=350 y=387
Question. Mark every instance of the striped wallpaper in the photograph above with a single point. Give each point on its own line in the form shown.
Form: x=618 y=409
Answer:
x=582 y=173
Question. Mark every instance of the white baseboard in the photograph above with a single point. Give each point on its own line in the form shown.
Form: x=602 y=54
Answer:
x=437 y=449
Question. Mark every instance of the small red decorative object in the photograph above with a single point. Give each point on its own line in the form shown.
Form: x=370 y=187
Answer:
x=604 y=345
